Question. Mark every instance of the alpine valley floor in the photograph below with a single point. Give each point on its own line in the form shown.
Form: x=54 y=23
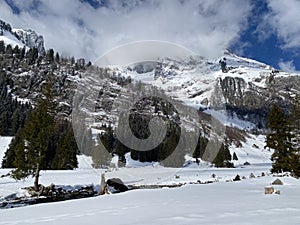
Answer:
x=220 y=202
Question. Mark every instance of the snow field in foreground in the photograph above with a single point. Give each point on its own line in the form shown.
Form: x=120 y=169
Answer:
x=241 y=202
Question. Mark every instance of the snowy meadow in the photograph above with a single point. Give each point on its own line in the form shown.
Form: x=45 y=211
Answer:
x=220 y=201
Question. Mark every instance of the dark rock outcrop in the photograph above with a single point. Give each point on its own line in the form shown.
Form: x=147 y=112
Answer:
x=117 y=184
x=252 y=102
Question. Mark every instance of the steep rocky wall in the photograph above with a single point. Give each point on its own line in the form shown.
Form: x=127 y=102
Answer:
x=252 y=102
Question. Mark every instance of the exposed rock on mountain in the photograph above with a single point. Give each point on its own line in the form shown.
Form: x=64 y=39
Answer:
x=30 y=39
x=21 y=37
x=239 y=97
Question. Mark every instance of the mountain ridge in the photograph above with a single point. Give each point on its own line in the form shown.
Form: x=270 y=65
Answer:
x=245 y=90
x=21 y=37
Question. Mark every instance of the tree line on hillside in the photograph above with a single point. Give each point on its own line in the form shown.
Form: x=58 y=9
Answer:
x=110 y=145
x=43 y=138
x=222 y=158
x=15 y=57
x=165 y=152
x=12 y=112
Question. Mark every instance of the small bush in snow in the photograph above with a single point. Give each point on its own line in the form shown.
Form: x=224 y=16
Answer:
x=251 y=175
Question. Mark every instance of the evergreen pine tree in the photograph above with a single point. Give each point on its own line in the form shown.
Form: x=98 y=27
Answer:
x=23 y=52
x=294 y=121
x=16 y=51
x=234 y=157
x=200 y=148
x=32 y=55
x=107 y=139
x=4 y=123
x=66 y=148
x=121 y=149
x=15 y=121
x=280 y=139
x=50 y=55
x=72 y=60
x=9 y=50
x=2 y=46
x=36 y=136
x=223 y=157
x=57 y=59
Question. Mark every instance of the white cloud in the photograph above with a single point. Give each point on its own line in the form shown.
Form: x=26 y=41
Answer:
x=287 y=66
x=284 y=19
x=75 y=28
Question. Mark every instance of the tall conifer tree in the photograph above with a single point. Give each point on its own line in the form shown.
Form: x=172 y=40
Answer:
x=36 y=136
x=280 y=139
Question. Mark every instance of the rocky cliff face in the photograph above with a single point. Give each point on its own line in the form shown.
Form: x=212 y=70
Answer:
x=28 y=37
x=240 y=96
x=252 y=102
x=247 y=88
x=245 y=92
x=4 y=27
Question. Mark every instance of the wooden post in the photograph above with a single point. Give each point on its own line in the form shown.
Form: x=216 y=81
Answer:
x=102 y=184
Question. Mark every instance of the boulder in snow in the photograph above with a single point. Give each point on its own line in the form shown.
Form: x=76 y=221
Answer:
x=116 y=185
x=277 y=182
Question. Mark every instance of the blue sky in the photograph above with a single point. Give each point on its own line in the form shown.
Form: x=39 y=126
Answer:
x=265 y=30
x=271 y=48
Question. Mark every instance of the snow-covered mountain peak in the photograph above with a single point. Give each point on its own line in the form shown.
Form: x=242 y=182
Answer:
x=245 y=83
x=21 y=37
x=234 y=60
x=30 y=38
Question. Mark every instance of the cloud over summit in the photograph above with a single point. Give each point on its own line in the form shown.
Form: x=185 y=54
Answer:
x=75 y=27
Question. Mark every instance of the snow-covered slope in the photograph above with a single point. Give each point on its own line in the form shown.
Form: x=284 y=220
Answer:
x=252 y=151
x=239 y=97
x=193 y=81
x=4 y=143
x=30 y=39
x=21 y=37
x=10 y=39
x=220 y=202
